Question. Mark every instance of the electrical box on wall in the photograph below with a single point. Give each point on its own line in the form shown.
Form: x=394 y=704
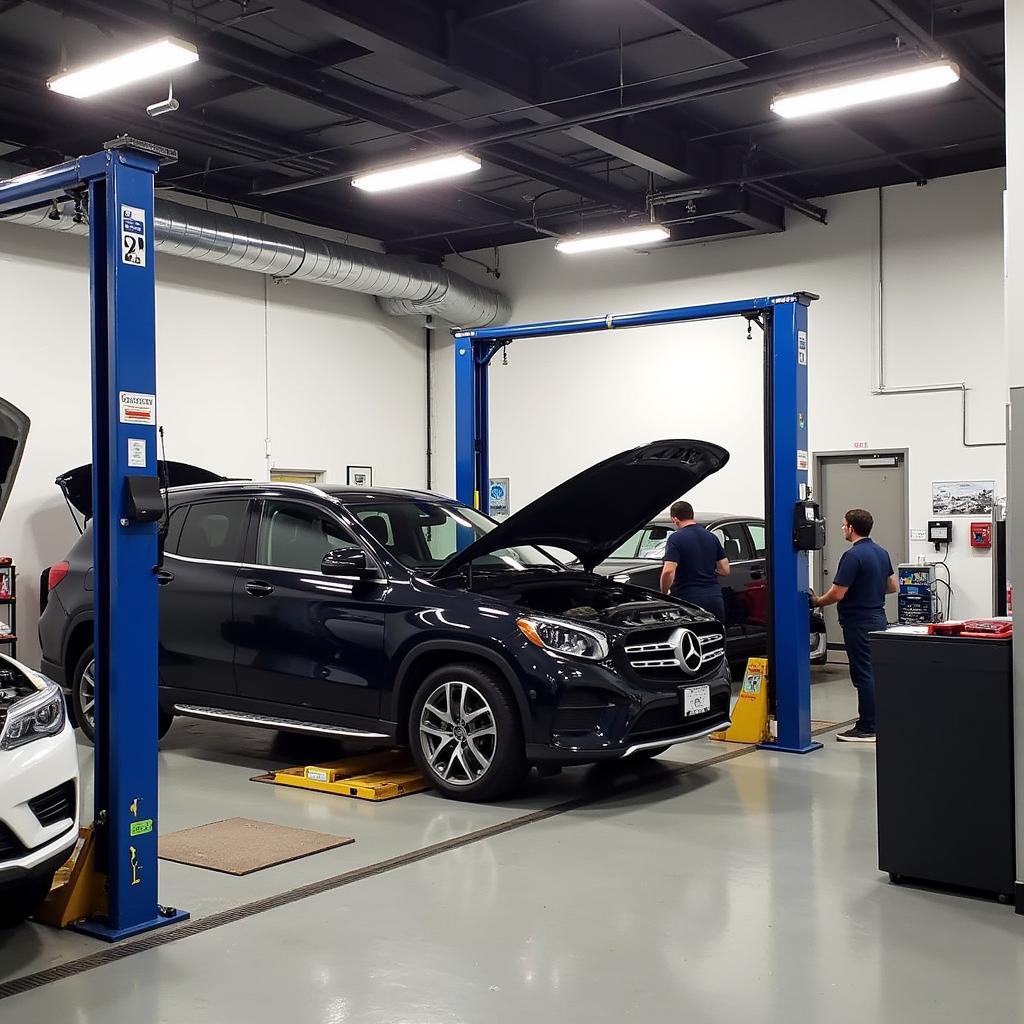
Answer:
x=981 y=535
x=940 y=531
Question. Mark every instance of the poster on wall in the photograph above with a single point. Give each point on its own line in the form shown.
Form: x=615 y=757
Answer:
x=962 y=497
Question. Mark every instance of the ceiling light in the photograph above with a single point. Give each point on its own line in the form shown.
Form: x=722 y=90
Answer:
x=920 y=78
x=627 y=238
x=421 y=172
x=143 y=62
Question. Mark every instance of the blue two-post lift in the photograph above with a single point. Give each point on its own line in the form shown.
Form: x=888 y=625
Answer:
x=784 y=321
x=118 y=186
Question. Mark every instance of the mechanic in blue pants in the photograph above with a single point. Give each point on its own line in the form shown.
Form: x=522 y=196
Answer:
x=694 y=559
x=861 y=583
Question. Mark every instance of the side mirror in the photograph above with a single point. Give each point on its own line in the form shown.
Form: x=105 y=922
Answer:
x=345 y=562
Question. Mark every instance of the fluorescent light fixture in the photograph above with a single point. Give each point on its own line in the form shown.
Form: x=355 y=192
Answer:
x=626 y=238
x=873 y=89
x=143 y=62
x=419 y=172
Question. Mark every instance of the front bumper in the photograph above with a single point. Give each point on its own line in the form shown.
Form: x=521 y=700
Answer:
x=598 y=715
x=29 y=845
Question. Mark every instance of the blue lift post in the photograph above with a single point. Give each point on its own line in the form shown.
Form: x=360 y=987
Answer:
x=784 y=319
x=119 y=184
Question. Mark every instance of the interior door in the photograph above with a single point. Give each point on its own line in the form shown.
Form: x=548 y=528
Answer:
x=875 y=481
x=196 y=583
x=303 y=638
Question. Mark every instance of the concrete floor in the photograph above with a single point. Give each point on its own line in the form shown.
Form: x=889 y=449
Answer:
x=743 y=889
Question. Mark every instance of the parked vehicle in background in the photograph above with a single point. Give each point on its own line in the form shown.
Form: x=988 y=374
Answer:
x=38 y=754
x=403 y=616
x=638 y=561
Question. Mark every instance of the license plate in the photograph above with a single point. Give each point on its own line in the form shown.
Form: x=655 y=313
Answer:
x=696 y=701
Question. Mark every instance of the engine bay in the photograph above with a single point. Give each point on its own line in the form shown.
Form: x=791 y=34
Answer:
x=587 y=599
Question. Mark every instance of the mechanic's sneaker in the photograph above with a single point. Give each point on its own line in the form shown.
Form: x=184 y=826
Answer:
x=856 y=735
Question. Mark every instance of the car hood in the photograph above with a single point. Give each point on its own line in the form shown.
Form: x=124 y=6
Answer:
x=77 y=483
x=594 y=512
x=14 y=426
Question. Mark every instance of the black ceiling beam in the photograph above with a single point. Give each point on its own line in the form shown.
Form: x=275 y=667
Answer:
x=263 y=67
x=323 y=59
x=735 y=43
x=912 y=18
x=433 y=41
x=950 y=27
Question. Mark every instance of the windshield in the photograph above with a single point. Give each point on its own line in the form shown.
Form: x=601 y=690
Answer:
x=424 y=535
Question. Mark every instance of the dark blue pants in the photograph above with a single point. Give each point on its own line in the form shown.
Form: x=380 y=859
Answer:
x=858 y=650
x=709 y=601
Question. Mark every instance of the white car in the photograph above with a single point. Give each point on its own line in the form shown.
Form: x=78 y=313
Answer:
x=38 y=755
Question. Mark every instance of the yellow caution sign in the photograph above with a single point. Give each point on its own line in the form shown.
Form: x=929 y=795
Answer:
x=750 y=713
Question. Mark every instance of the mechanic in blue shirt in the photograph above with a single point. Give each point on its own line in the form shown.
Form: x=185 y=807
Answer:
x=694 y=559
x=861 y=582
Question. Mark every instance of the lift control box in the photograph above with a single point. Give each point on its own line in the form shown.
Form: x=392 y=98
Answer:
x=940 y=531
x=808 y=526
x=916 y=600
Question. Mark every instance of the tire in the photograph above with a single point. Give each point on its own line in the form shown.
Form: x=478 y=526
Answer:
x=647 y=755
x=818 y=659
x=83 y=695
x=23 y=899
x=491 y=767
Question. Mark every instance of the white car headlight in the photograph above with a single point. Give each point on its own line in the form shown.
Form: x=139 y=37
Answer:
x=34 y=717
x=565 y=637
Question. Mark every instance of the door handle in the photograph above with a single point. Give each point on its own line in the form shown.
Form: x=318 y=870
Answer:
x=257 y=589
x=756 y=575
x=163 y=577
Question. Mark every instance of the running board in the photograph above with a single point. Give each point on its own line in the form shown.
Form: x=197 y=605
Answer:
x=270 y=722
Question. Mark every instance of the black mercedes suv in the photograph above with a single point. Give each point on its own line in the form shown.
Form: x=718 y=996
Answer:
x=402 y=616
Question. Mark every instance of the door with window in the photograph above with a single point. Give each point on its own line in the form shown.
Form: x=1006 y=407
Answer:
x=202 y=557
x=741 y=589
x=303 y=638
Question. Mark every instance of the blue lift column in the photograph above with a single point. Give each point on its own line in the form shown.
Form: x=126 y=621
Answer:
x=119 y=185
x=784 y=319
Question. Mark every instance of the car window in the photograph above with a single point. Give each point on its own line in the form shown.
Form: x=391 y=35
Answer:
x=734 y=540
x=629 y=547
x=757 y=539
x=425 y=534
x=213 y=530
x=653 y=541
x=295 y=536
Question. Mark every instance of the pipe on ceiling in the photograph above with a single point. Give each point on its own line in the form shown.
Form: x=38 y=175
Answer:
x=401 y=286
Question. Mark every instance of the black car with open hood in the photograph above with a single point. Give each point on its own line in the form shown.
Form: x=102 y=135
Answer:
x=406 y=617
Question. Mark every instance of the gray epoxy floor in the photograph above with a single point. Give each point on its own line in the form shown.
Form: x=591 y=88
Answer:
x=744 y=889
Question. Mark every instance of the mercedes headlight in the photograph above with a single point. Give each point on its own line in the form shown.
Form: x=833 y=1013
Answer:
x=565 y=638
x=31 y=718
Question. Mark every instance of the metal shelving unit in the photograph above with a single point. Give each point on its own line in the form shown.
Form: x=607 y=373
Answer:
x=9 y=611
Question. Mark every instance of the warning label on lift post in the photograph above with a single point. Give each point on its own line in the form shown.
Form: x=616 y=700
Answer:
x=133 y=236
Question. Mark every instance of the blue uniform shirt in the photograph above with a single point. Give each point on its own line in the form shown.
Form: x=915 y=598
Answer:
x=696 y=553
x=865 y=569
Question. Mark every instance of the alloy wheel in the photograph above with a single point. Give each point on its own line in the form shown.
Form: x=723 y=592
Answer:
x=87 y=693
x=458 y=733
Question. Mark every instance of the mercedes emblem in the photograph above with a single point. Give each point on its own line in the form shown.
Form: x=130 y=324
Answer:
x=690 y=657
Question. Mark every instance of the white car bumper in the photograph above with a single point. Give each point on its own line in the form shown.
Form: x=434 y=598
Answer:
x=38 y=769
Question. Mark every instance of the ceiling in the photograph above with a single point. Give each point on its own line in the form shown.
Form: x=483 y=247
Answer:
x=581 y=110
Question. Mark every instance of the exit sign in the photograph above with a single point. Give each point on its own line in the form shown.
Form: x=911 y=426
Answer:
x=860 y=444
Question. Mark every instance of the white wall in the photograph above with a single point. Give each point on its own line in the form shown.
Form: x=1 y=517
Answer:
x=563 y=404
x=341 y=383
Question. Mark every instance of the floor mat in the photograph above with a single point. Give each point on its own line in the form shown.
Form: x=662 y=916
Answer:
x=239 y=846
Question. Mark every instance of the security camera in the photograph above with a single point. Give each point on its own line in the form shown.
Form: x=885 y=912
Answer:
x=167 y=106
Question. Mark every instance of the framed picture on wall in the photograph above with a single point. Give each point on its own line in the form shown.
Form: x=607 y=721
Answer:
x=359 y=476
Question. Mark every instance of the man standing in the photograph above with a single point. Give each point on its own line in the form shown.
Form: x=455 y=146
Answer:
x=862 y=580
x=694 y=559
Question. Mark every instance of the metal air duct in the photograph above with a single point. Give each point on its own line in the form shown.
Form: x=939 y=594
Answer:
x=402 y=286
